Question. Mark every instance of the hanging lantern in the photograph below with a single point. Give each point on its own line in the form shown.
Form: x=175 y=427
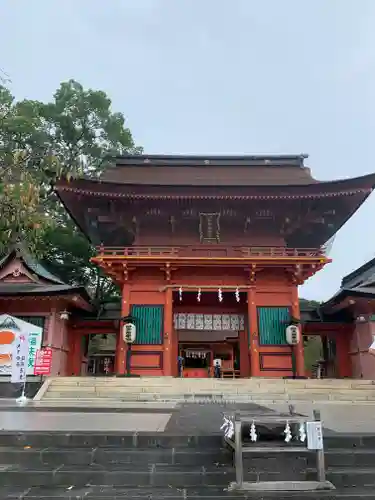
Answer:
x=237 y=294
x=180 y=293
x=199 y=295
x=220 y=295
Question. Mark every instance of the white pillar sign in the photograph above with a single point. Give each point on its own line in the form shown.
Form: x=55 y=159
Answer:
x=20 y=351
x=314 y=433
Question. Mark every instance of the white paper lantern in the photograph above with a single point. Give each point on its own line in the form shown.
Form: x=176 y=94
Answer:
x=129 y=333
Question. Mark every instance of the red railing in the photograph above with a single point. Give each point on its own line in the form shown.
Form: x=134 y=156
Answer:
x=208 y=251
x=141 y=251
x=281 y=252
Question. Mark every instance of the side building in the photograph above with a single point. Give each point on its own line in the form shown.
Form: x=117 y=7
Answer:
x=209 y=252
x=346 y=325
x=43 y=303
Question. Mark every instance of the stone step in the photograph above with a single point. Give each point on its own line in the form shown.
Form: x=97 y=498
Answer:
x=165 y=477
x=204 y=396
x=55 y=457
x=90 y=440
x=350 y=477
x=114 y=440
x=160 y=380
x=347 y=458
x=340 y=458
x=121 y=475
x=185 y=388
x=172 y=493
x=90 y=405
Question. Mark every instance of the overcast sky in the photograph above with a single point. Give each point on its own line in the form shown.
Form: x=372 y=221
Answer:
x=219 y=76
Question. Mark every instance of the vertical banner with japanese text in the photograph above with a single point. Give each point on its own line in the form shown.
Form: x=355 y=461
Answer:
x=11 y=328
x=20 y=351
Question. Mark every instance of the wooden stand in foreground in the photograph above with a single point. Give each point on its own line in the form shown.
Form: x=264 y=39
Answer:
x=239 y=449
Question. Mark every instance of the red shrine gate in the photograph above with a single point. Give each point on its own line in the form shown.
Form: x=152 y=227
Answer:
x=170 y=229
x=239 y=316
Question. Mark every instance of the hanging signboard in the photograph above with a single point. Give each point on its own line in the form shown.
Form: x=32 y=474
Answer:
x=20 y=351
x=10 y=329
x=314 y=435
x=43 y=361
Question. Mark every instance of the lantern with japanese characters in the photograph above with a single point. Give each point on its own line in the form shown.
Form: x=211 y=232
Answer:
x=129 y=332
x=293 y=335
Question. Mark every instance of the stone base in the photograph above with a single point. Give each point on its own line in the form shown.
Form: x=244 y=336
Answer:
x=284 y=486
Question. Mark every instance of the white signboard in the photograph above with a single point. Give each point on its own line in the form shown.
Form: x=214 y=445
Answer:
x=10 y=329
x=20 y=352
x=314 y=433
x=372 y=346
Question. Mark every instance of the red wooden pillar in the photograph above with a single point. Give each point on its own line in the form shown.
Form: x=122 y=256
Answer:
x=244 y=354
x=343 y=362
x=299 y=350
x=76 y=353
x=175 y=349
x=120 y=344
x=169 y=341
x=253 y=333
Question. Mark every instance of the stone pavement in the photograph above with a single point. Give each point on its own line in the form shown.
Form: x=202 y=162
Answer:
x=83 y=422
x=176 y=419
x=89 y=407
x=348 y=418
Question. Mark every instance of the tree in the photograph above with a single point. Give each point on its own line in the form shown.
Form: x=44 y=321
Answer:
x=75 y=134
x=82 y=131
x=20 y=189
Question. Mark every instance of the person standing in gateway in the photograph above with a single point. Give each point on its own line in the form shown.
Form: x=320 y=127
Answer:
x=180 y=364
x=217 y=367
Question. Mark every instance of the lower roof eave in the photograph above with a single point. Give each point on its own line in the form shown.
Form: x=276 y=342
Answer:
x=344 y=294
x=73 y=292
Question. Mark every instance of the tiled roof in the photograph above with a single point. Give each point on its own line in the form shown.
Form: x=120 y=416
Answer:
x=35 y=266
x=208 y=175
x=50 y=284
x=33 y=289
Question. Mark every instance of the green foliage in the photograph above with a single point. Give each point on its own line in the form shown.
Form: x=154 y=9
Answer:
x=308 y=304
x=75 y=134
x=313 y=351
x=82 y=131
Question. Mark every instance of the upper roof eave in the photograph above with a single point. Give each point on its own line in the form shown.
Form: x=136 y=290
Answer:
x=90 y=186
x=199 y=160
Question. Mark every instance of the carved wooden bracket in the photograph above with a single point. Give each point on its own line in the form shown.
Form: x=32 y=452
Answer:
x=252 y=270
x=296 y=275
x=168 y=271
x=126 y=270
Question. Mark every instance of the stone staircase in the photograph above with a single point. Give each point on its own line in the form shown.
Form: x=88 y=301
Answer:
x=143 y=466
x=112 y=391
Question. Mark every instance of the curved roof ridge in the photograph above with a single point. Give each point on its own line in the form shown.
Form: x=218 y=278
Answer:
x=20 y=250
